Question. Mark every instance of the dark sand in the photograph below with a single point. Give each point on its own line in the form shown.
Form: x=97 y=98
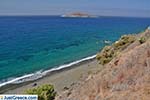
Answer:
x=60 y=79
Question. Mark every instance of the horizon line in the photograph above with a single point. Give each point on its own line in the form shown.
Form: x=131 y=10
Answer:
x=26 y=15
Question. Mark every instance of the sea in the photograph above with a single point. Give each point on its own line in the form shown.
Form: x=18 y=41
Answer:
x=31 y=46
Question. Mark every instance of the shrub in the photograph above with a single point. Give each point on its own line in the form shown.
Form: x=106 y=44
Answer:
x=106 y=55
x=142 y=40
x=124 y=41
x=109 y=52
x=45 y=92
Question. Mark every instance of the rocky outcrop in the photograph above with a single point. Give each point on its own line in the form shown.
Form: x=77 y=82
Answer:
x=125 y=77
x=79 y=14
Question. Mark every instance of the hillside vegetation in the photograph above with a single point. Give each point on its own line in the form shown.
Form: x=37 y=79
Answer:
x=125 y=75
x=45 y=92
x=109 y=52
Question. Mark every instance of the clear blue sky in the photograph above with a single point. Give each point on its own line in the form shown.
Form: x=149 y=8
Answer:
x=139 y=8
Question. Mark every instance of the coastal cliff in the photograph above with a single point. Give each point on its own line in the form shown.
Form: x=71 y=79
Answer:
x=124 y=76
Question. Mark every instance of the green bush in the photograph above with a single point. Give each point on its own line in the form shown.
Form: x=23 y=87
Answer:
x=109 y=52
x=142 y=40
x=106 y=55
x=45 y=92
x=124 y=41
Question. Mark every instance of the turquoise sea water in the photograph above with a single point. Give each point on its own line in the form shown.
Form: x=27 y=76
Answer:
x=32 y=43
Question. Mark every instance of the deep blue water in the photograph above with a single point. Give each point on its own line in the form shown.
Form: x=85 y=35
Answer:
x=33 y=43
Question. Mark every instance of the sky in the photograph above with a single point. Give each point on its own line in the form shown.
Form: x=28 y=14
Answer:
x=135 y=8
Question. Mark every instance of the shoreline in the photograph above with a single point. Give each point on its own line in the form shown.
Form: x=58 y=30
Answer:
x=83 y=65
x=40 y=74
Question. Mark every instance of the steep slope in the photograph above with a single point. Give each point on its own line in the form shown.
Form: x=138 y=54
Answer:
x=125 y=77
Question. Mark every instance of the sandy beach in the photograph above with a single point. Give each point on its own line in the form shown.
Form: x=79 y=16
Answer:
x=60 y=79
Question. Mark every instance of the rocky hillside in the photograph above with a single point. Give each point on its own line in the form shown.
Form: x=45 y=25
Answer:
x=125 y=76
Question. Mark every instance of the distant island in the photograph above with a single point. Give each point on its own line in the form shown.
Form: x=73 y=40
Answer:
x=81 y=15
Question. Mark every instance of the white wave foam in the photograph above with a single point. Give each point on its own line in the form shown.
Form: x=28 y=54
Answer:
x=40 y=74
